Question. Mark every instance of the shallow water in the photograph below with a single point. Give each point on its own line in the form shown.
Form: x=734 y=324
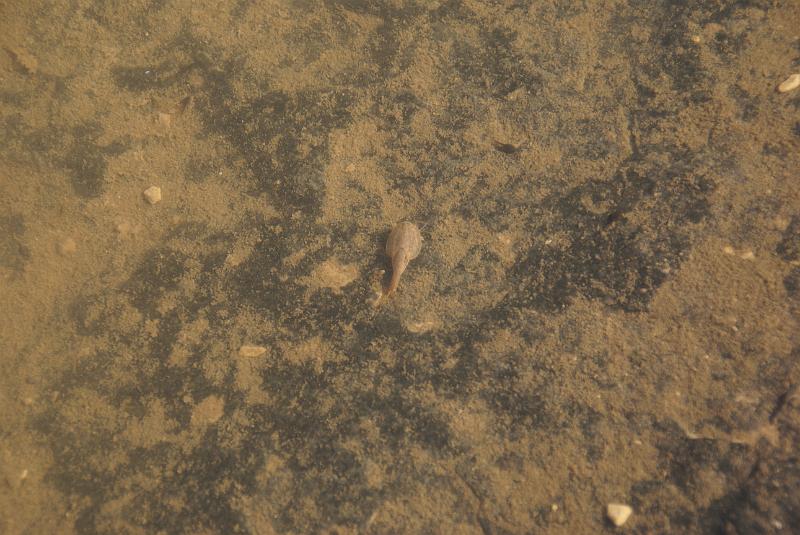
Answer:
x=604 y=309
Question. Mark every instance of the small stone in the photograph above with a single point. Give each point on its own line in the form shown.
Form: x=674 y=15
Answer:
x=24 y=59
x=790 y=84
x=376 y=299
x=24 y=475
x=503 y=238
x=237 y=256
x=251 y=351
x=421 y=326
x=728 y=250
x=696 y=39
x=780 y=223
x=333 y=274
x=124 y=229
x=208 y=411
x=747 y=255
x=164 y=119
x=67 y=246
x=618 y=513
x=152 y=194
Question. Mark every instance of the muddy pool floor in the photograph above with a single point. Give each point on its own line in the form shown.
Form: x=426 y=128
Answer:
x=606 y=305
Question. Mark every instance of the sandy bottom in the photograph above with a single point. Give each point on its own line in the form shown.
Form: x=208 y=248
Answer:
x=605 y=308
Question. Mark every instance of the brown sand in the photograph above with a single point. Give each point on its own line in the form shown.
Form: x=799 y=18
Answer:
x=605 y=308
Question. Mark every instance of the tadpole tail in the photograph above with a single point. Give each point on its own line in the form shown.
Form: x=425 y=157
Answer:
x=394 y=282
x=399 y=263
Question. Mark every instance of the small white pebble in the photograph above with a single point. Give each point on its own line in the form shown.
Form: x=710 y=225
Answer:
x=747 y=255
x=251 y=351
x=696 y=39
x=24 y=475
x=728 y=250
x=777 y=524
x=790 y=84
x=554 y=507
x=152 y=194
x=618 y=513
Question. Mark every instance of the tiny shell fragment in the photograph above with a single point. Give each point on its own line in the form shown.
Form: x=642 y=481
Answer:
x=792 y=82
x=152 y=194
x=251 y=351
x=618 y=513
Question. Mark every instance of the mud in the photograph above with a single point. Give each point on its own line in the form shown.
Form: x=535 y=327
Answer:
x=605 y=307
